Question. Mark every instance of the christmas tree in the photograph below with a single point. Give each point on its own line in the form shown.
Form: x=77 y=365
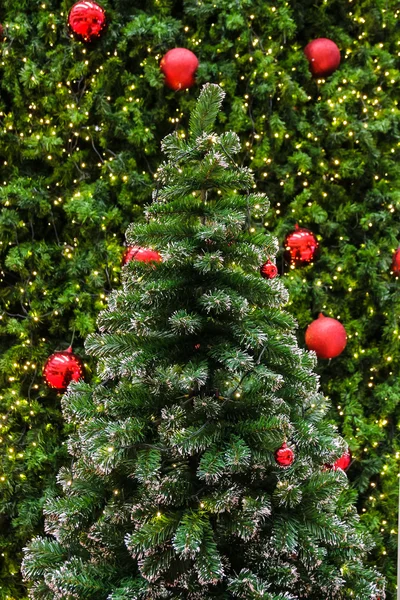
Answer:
x=200 y=457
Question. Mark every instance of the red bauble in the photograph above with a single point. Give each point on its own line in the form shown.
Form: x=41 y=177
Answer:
x=326 y=336
x=87 y=20
x=179 y=66
x=268 y=270
x=343 y=462
x=301 y=246
x=284 y=456
x=140 y=254
x=396 y=262
x=1 y=32
x=323 y=56
x=61 y=368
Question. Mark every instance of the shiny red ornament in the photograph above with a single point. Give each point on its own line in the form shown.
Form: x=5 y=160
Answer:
x=61 y=368
x=300 y=246
x=326 y=336
x=179 y=66
x=141 y=254
x=284 y=456
x=396 y=262
x=1 y=32
x=323 y=56
x=268 y=270
x=87 y=20
x=343 y=462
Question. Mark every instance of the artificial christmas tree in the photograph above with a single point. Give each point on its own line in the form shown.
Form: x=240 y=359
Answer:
x=174 y=491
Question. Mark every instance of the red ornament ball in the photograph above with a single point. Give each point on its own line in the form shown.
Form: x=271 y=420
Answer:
x=343 y=462
x=396 y=262
x=301 y=246
x=268 y=270
x=87 y=20
x=179 y=66
x=323 y=57
x=141 y=254
x=61 y=368
x=284 y=456
x=326 y=336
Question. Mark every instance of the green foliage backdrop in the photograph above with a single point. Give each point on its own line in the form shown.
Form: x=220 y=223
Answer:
x=79 y=142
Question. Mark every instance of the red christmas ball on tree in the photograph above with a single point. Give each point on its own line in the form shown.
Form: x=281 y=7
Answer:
x=268 y=270
x=284 y=456
x=396 y=262
x=343 y=462
x=323 y=56
x=61 y=368
x=326 y=336
x=179 y=66
x=87 y=20
x=140 y=254
x=301 y=246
